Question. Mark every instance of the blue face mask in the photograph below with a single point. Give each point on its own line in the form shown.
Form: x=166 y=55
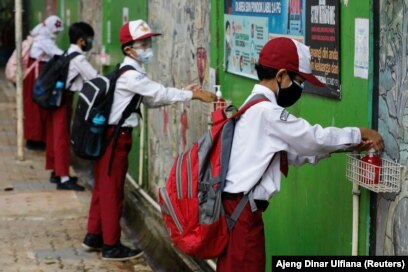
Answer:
x=145 y=55
x=288 y=96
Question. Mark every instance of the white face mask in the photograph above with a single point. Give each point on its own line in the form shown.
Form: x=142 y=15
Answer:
x=144 y=55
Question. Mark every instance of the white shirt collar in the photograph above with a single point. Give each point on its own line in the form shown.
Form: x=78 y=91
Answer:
x=75 y=48
x=260 y=89
x=132 y=62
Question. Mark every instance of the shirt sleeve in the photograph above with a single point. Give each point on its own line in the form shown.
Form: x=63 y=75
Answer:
x=49 y=47
x=300 y=138
x=84 y=68
x=154 y=94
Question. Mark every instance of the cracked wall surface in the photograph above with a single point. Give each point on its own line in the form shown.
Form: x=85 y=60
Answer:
x=186 y=28
x=392 y=219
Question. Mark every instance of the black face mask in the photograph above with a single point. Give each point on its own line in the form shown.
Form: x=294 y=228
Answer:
x=88 y=44
x=288 y=96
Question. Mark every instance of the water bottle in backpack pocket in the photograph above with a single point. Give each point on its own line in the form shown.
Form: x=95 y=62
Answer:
x=96 y=136
x=50 y=84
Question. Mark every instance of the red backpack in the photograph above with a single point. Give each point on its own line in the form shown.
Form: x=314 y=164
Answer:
x=191 y=203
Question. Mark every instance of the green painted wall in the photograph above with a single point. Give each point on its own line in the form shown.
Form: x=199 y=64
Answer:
x=34 y=13
x=312 y=215
x=69 y=12
x=113 y=13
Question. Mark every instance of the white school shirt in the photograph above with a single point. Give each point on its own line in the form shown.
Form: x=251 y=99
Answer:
x=45 y=47
x=79 y=69
x=265 y=129
x=137 y=82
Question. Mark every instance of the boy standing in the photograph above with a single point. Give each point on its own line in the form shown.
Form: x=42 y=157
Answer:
x=267 y=138
x=58 y=157
x=107 y=196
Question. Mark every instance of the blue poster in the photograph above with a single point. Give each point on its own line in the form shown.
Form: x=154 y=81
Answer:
x=277 y=18
x=244 y=38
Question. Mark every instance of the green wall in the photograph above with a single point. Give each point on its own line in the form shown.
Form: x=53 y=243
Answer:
x=69 y=12
x=312 y=215
x=113 y=13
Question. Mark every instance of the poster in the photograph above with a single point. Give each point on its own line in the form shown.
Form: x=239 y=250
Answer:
x=244 y=38
x=361 y=48
x=285 y=18
x=322 y=35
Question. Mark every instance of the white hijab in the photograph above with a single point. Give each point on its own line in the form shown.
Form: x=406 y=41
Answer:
x=48 y=27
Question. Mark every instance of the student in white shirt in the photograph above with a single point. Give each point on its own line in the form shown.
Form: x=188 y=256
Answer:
x=107 y=196
x=43 y=48
x=265 y=136
x=58 y=157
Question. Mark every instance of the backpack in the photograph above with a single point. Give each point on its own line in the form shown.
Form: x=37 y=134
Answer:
x=190 y=202
x=50 y=84
x=92 y=113
x=11 y=66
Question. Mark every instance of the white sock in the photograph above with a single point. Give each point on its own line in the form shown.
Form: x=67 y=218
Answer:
x=64 y=179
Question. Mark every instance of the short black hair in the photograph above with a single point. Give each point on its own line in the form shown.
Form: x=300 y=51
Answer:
x=265 y=72
x=80 y=30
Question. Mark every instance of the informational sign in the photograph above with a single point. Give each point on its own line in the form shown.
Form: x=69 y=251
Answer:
x=322 y=35
x=125 y=15
x=361 y=48
x=250 y=24
x=244 y=38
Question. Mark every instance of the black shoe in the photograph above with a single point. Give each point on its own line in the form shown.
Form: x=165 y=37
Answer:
x=70 y=185
x=120 y=253
x=57 y=179
x=35 y=145
x=92 y=242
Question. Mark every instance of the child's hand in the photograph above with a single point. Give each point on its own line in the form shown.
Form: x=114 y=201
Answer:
x=371 y=139
x=204 y=96
x=193 y=87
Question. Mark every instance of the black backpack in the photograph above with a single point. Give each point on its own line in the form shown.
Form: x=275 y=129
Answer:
x=92 y=112
x=50 y=85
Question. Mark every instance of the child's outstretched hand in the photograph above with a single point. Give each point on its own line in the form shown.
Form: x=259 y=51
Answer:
x=204 y=96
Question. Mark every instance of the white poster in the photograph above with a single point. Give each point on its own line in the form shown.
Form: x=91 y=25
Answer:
x=125 y=15
x=361 y=48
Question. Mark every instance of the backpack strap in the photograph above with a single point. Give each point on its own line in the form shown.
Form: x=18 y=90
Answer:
x=231 y=220
x=70 y=57
x=133 y=106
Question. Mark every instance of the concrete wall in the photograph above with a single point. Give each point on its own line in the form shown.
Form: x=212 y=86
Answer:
x=392 y=219
x=185 y=27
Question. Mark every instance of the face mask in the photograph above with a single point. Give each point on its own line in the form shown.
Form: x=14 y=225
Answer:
x=288 y=96
x=145 y=56
x=88 y=44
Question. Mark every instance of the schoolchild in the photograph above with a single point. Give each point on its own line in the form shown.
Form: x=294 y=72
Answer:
x=43 y=48
x=58 y=157
x=267 y=138
x=104 y=231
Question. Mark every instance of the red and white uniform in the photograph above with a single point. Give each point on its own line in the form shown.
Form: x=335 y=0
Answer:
x=263 y=131
x=107 y=194
x=58 y=122
x=43 y=48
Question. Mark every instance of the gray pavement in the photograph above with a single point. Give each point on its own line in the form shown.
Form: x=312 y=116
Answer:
x=41 y=228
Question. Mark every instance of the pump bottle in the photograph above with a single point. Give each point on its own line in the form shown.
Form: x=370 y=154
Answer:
x=371 y=173
x=220 y=103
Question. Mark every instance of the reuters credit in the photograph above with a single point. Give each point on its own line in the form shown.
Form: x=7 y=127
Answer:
x=327 y=263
